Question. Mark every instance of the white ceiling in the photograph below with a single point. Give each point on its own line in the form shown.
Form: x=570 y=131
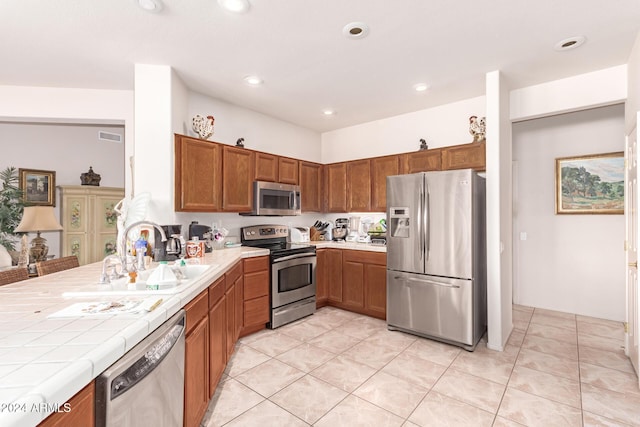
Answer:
x=297 y=47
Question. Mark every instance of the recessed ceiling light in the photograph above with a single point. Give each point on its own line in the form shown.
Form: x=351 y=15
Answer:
x=235 y=6
x=356 y=30
x=570 y=43
x=420 y=87
x=328 y=112
x=150 y=5
x=253 y=80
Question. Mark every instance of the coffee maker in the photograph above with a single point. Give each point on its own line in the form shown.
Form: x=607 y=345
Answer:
x=173 y=248
x=202 y=232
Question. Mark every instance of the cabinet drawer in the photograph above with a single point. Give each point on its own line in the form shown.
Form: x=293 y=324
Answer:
x=256 y=285
x=197 y=309
x=256 y=311
x=233 y=274
x=365 y=257
x=216 y=291
x=256 y=264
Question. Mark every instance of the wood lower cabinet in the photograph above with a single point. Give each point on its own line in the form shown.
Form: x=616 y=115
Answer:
x=336 y=187
x=237 y=179
x=375 y=285
x=196 y=361
x=288 y=171
x=198 y=176
x=256 y=294
x=381 y=168
x=322 y=279
x=421 y=161
x=311 y=186
x=89 y=221
x=364 y=282
x=334 y=274
x=266 y=167
x=81 y=410
x=468 y=156
x=355 y=280
x=233 y=306
x=217 y=333
x=359 y=186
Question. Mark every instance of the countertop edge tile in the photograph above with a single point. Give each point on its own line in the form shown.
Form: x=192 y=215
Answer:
x=65 y=384
x=20 y=417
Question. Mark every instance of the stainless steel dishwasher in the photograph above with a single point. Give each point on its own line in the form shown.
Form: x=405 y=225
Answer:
x=146 y=386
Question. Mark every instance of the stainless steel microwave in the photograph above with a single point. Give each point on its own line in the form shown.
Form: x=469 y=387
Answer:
x=273 y=199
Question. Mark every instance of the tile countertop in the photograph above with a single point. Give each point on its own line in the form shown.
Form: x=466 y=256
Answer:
x=349 y=245
x=48 y=360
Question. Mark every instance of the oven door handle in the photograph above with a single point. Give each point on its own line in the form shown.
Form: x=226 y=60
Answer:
x=296 y=256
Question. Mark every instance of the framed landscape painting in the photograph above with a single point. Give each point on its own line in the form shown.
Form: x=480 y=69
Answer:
x=590 y=184
x=39 y=187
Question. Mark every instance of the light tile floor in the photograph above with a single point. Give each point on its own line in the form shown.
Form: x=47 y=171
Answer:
x=337 y=368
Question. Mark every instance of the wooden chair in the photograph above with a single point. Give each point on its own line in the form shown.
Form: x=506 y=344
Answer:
x=55 y=265
x=13 y=275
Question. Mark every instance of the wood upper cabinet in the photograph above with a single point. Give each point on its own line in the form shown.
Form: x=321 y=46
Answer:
x=82 y=413
x=237 y=179
x=421 y=161
x=266 y=168
x=196 y=360
x=359 y=186
x=198 y=177
x=287 y=170
x=336 y=186
x=464 y=156
x=381 y=168
x=310 y=186
x=334 y=274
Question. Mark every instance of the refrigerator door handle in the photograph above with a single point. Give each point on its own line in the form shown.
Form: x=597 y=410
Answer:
x=431 y=282
x=427 y=223
x=419 y=221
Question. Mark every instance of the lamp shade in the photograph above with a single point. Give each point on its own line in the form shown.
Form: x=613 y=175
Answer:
x=38 y=218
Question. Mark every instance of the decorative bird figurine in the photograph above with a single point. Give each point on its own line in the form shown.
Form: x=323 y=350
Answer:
x=203 y=126
x=477 y=128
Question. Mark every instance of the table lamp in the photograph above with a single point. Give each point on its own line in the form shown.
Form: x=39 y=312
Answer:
x=38 y=218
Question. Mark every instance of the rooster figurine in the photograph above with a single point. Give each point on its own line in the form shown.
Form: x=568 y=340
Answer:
x=203 y=126
x=477 y=128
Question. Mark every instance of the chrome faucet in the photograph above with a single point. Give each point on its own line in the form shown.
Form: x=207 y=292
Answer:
x=123 y=242
x=106 y=263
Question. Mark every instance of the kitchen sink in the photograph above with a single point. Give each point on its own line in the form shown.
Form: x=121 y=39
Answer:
x=122 y=286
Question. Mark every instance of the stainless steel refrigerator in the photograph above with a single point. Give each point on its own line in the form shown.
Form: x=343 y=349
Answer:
x=436 y=255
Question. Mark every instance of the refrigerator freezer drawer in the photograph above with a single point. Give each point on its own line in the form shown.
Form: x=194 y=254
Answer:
x=441 y=308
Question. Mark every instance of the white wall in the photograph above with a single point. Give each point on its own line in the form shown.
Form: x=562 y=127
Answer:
x=260 y=132
x=499 y=212
x=440 y=126
x=595 y=89
x=71 y=105
x=570 y=263
x=68 y=150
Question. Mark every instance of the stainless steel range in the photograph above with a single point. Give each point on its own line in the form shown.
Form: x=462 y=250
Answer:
x=293 y=272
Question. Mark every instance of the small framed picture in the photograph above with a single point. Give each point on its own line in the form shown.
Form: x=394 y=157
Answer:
x=590 y=184
x=39 y=187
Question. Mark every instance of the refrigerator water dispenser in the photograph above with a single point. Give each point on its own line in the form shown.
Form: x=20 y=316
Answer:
x=399 y=219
